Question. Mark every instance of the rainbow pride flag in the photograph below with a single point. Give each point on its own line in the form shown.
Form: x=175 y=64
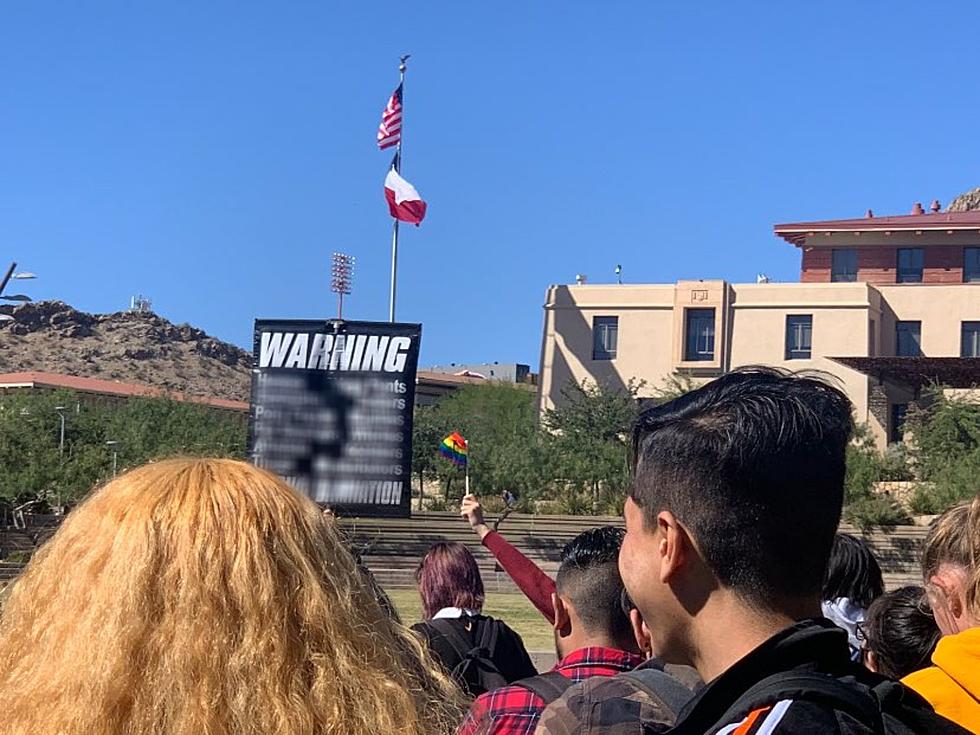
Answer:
x=454 y=448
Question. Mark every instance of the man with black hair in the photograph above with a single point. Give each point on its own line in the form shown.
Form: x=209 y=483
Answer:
x=593 y=637
x=737 y=494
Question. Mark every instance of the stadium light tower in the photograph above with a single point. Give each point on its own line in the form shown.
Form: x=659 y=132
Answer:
x=341 y=278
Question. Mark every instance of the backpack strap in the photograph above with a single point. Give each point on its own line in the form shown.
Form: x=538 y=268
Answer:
x=549 y=686
x=854 y=699
x=489 y=633
x=661 y=687
x=461 y=645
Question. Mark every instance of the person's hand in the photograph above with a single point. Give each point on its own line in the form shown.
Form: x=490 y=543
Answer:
x=472 y=511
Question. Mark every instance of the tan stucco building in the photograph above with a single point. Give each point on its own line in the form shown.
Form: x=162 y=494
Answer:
x=888 y=305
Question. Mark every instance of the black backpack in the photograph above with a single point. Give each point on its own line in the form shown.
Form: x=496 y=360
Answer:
x=886 y=708
x=476 y=671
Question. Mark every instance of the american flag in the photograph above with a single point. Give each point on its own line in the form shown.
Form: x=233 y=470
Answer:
x=390 y=130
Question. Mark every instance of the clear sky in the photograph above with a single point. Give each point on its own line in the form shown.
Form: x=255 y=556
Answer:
x=211 y=155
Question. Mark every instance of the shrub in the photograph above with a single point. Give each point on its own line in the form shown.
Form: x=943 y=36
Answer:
x=875 y=510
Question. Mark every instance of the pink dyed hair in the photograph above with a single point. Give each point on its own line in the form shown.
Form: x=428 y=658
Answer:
x=448 y=576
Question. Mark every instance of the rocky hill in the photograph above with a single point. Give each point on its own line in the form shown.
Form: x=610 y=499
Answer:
x=966 y=202
x=134 y=347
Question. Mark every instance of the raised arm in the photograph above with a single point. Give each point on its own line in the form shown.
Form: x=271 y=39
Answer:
x=535 y=584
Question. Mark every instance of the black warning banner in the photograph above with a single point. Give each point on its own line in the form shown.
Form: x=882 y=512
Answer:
x=332 y=410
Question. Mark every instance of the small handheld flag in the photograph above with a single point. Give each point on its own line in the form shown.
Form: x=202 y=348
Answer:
x=455 y=448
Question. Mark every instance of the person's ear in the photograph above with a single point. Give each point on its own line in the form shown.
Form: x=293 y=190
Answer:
x=674 y=546
x=870 y=660
x=641 y=632
x=562 y=623
x=947 y=606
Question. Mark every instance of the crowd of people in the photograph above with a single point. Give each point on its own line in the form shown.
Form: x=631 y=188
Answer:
x=206 y=596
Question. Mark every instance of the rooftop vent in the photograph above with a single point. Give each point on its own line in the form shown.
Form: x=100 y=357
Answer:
x=917 y=208
x=935 y=206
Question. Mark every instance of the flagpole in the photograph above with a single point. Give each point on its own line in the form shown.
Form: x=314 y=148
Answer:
x=398 y=168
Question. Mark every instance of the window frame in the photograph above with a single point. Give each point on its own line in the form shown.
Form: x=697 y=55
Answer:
x=842 y=276
x=920 y=270
x=974 y=275
x=601 y=325
x=972 y=326
x=794 y=350
x=918 y=341
x=701 y=314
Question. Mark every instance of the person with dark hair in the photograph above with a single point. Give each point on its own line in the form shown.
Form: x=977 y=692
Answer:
x=899 y=633
x=737 y=494
x=850 y=584
x=593 y=637
x=480 y=652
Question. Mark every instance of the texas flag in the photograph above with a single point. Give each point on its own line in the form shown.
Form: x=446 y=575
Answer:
x=404 y=202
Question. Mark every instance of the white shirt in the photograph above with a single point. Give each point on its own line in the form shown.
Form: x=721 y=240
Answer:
x=451 y=613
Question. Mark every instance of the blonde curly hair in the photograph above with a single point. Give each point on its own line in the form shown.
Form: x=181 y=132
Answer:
x=205 y=596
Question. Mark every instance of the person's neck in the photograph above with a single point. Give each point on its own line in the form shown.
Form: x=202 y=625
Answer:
x=727 y=629
x=576 y=642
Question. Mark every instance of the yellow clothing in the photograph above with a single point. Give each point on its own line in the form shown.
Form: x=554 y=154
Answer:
x=952 y=683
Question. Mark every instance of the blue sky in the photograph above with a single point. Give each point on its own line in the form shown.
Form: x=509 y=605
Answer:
x=212 y=155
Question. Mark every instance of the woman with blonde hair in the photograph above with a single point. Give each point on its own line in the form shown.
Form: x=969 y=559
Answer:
x=206 y=596
x=951 y=574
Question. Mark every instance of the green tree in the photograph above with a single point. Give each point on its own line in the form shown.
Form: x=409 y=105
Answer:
x=426 y=435
x=865 y=467
x=945 y=450
x=498 y=421
x=35 y=467
x=589 y=433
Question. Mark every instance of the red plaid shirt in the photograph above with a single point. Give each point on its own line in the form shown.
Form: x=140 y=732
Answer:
x=515 y=710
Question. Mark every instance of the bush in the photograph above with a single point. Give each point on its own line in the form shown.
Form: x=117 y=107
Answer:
x=946 y=451
x=875 y=510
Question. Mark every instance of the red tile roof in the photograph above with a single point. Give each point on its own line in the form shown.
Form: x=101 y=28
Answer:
x=106 y=388
x=796 y=232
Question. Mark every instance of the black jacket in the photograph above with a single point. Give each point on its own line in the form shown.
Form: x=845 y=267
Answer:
x=786 y=662
x=509 y=656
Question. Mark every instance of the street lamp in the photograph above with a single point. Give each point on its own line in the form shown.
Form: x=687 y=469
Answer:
x=23 y=298
x=61 y=441
x=112 y=444
x=619 y=274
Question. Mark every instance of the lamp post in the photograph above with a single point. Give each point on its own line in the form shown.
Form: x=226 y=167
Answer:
x=61 y=440
x=13 y=297
x=113 y=445
x=619 y=274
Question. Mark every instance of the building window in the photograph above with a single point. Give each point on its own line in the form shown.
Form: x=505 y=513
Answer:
x=844 y=265
x=605 y=336
x=970 y=339
x=910 y=265
x=799 y=329
x=700 y=340
x=899 y=411
x=971 y=265
x=908 y=339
